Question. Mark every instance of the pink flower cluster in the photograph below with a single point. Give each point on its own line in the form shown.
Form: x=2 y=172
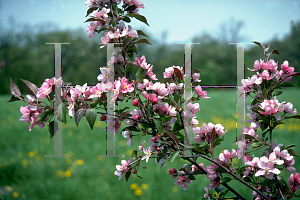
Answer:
x=143 y=64
x=46 y=87
x=203 y=133
x=294 y=182
x=122 y=169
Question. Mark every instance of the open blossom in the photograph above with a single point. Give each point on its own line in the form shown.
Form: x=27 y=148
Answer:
x=269 y=107
x=226 y=155
x=103 y=76
x=30 y=115
x=127 y=86
x=183 y=180
x=248 y=83
x=200 y=93
x=127 y=134
x=122 y=169
x=258 y=65
x=141 y=62
x=266 y=166
x=147 y=153
x=44 y=90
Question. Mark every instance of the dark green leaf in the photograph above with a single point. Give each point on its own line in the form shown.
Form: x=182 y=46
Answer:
x=43 y=116
x=78 y=115
x=90 y=10
x=134 y=155
x=225 y=180
x=52 y=128
x=138 y=73
x=242 y=168
x=91 y=115
x=173 y=136
x=191 y=177
x=291 y=146
x=174 y=155
x=13 y=98
x=277 y=93
x=141 y=33
x=102 y=29
x=127 y=175
x=285 y=84
x=177 y=127
x=96 y=19
x=29 y=87
x=126 y=19
x=139 y=17
x=14 y=89
x=220 y=169
x=292 y=152
x=142 y=41
x=133 y=48
x=244 y=136
x=218 y=142
x=128 y=69
x=159 y=125
x=247 y=179
x=295 y=116
x=177 y=98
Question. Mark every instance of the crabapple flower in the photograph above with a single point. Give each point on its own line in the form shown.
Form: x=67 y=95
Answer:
x=294 y=182
x=44 y=90
x=103 y=76
x=122 y=169
x=269 y=107
x=266 y=75
x=135 y=102
x=30 y=115
x=200 y=93
x=258 y=65
x=206 y=195
x=183 y=180
x=127 y=134
x=266 y=166
x=148 y=153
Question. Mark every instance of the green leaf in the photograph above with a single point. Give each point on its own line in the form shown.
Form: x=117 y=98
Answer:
x=191 y=177
x=285 y=84
x=295 y=116
x=291 y=146
x=13 y=98
x=14 y=89
x=292 y=152
x=159 y=125
x=173 y=136
x=129 y=68
x=225 y=180
x=255 y=101
x=138 y=73
x=134 y=155
x=115 y=8
x=177 y=98
x=90 y=10
x=242 y=168
x=64 y=113
x=141 y=33
x=96 y=19
x=126 y=19
x=91 y=115
x=167 y=80
x=127 y=175
x=133 y=48
x=102 y=29
x=247 y=179
x=277 y=93
x=256 y=144
x=265 y=92
x=78 y=115
x=220 y=169
x=244 y=136
x=43 y=116
x=29 y=87
x=142 y=41
x=173 y=156
x=52 y=128
x=138 y=17
x=218 y=142
x=177 y=127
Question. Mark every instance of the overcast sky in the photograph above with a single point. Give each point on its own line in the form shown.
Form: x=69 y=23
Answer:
x=182 y=19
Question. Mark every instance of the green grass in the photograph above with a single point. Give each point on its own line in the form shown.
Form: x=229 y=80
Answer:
x=26 y=173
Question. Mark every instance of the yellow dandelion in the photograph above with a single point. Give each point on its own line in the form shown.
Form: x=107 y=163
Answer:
x=15 y=194
x=133 y=186
x=175 y=189
x=8 y=188
x=24 y=163
x=68 y=173
x=31 y=154
x=23 y=196
x=97 y=124
x=138 y=192
x=145 y=186
x=79 y=162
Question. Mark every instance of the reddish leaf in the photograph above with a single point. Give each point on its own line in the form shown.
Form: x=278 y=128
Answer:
x=173 y=136
x=29 y=87
x=95 y=19
x=14 y=89
x=178 y=74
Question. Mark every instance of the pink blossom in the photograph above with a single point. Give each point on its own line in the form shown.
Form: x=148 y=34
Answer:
x=30 y=115
x=270 y=65
x=196 y=77
x=269 y=107
x=266 y=166
x=294 y=182
x=141 y=62
x=103 y=117
x=200 y=93
x=122 y=169
x=266 y=75
x=44 y=90
x=103 y=76
x=258 y=65
x=127 y=86
x=226 y=155
x=151 y=74
x=183 y=180
x=141 y=148
x=96 y=91
x=286 y=69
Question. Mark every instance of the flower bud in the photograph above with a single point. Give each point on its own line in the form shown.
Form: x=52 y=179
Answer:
x=172 y=171
x=135 y=102
x=157 y=148
x=103 y=117
x=136 y=117
x=154 y=100
x=134 y=171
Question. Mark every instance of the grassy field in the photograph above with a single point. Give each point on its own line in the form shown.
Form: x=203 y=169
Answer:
x=25 y=172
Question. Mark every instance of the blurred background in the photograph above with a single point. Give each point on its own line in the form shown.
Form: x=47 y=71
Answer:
x=26 y=27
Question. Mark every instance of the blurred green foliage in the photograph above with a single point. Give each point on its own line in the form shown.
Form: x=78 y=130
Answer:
x=26 y=55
